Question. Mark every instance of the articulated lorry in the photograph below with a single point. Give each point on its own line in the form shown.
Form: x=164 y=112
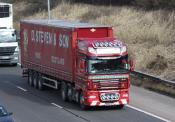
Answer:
x=9 y=49
x=85 y=61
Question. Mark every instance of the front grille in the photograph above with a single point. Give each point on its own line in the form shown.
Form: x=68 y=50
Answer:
x=107 y=85
x=7 y=51
x=111 y=84
x=5 y=60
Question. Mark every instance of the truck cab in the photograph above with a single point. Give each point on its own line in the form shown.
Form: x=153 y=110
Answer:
x=9 y=49
x=103 y=72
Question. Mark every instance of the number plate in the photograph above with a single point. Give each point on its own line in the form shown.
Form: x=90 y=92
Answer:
x=109 y=96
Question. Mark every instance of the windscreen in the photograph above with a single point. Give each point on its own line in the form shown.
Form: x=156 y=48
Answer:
x=105 y=66
x=7 y=37
x=4 y=11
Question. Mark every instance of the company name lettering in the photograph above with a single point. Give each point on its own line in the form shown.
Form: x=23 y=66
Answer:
x=50 y=38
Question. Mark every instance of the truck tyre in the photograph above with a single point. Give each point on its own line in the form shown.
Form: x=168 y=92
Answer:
x=70 y=93
x=30 y=78
x=35 y=80
x=77 y=96
x=40 y=82
x=81 y=102
x=64 y=91
x=120 y=106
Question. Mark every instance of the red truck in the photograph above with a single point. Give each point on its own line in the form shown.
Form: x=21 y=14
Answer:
x=84 y=60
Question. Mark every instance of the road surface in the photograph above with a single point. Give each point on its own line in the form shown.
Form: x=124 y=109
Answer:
x=31 y=105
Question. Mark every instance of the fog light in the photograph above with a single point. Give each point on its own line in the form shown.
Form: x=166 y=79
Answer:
x=16 y=58
x=92 y=97
x=125 y=95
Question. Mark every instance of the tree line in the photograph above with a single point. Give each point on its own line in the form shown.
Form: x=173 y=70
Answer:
x=145 y=4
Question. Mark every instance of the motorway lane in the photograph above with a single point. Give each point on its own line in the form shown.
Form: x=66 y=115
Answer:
x=152 y=102
x=25 y=106
x=36 y=105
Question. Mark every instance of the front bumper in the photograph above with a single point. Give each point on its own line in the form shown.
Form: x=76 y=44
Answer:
x=92 y=98
x=12 y=59
x=120 y=102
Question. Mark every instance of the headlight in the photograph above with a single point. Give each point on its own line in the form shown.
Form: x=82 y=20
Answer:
x=17 y=49
x=92 y=97
x=123 y=49
x=91 y=50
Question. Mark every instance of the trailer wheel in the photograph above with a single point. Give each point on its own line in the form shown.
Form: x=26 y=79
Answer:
x=81 y=102
x=70 y=93
x=35 y=80
x=40 y=82
x=77 y=96
x=30 y=78
x=64 y=91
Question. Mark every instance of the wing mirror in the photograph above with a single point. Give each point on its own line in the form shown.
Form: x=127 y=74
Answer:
x=131 y=63
x=82 y=66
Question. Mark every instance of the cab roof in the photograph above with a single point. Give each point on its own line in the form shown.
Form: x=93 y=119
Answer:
x=63 y=23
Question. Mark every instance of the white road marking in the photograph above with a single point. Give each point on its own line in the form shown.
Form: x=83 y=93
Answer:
x=57 y=105
x=150 y=114
x=21 y=88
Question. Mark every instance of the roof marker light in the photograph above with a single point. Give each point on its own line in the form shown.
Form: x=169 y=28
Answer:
x=93 y=30
x=97 y=44
x=101 y=44
x=107 y=44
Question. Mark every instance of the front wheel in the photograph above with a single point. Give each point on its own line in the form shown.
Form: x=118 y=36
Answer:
x=82 y=102
x=120 y=106
x=40 y=82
